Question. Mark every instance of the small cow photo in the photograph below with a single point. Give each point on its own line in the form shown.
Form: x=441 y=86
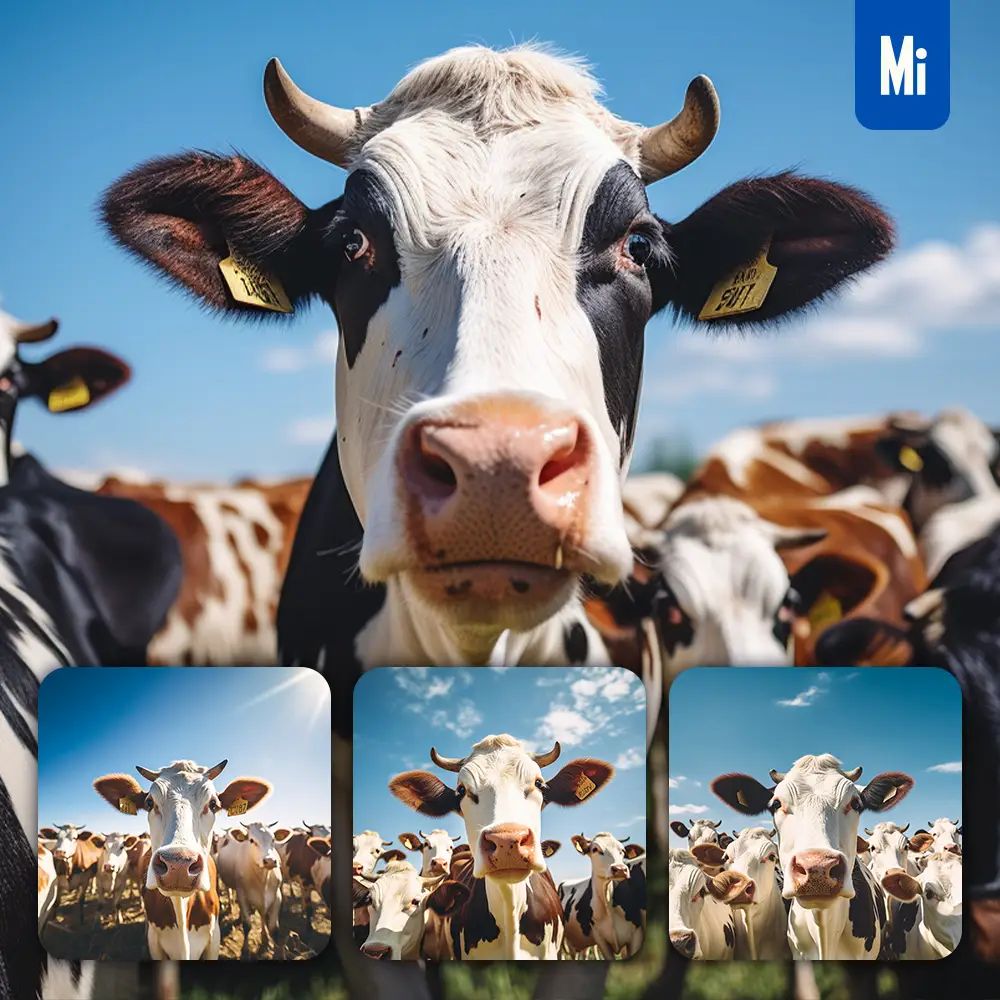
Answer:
x=825 y=824
x=501 y=814
x=184 y=813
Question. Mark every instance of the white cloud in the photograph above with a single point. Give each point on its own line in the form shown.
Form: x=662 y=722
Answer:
x=804 y=698
x=688 y=809
x=630 y=758
x=285 y=359
x=545 y=682
x=675 y=782
x=462 y=721
x=631 y=822
x=311 y=430
x=565 y=725
x=952 y=767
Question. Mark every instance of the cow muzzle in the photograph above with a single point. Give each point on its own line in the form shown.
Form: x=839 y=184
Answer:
x=269 y=863
x=619 y=872
x=380 y=952
x=109 y=868
x=178 y=871
x=508 y=851
x=685 y=942
x=817 y=878
x=439 y=866
x=953 y=849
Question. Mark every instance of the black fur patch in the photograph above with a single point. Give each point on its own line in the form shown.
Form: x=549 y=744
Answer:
x=575 y=641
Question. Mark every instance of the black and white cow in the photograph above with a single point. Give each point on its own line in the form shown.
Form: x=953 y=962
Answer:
x=492 y=263
x=838 y=908
x=84 y=581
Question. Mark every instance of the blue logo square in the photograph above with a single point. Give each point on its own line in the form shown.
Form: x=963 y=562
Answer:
x=902 y=63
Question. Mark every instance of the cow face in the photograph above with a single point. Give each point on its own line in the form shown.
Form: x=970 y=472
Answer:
x=64 y=840
x=691 y=892
x=816 y=807
x=938 y=884
x=946 y=834
x=436 y=847
x=262 y=842
x=368 y=848
x=754 y=854
x=607 y=855
x=889 y=848
x=500 y=793
x=182 y=804
x=492 y=264
x=701 y=831
x=725 y=597
x=114 y=851
x=316 y=829
x=397 y=898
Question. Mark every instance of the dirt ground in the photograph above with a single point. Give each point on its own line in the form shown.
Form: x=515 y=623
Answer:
x=100 y=937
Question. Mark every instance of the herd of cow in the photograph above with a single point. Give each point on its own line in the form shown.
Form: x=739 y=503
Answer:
x=811 y=887
x=494 y=897
x=182 y=865
x=492 y=263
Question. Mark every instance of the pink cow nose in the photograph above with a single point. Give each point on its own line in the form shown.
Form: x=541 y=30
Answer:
x=619 y=871
x=818 y=873
x=381 y=952
x=954 y=848
x=269 y=863
x=178 y=870
x=508 y=847
x=500 y=479
x=358 y=869
x=439 y=865
x=109 y=868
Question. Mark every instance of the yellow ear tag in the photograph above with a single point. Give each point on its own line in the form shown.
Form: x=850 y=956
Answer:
x=742 y=801
x=238 y=808
x=71 y=396
x=909 y=459
x=249 y=284
x=825 y=611
x=127 y=806
x=584 y=787
x=741 y=291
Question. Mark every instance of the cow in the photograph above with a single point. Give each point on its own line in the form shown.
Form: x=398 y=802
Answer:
x=491 y=333
x=48 y=886
x=889 y=847
x=299 y=861
x=590 y=916
x=701 y=831
x=512 y=909
x=934 y=927
x=322 y=848
x=180 y=894
x=700 y=924
x=954 y=625
x=368 y=850
x=762 y=928
x=75 y=854
x=138 y=860
x=112 y=868
x=945 y=835
x=235 y=541
x=646 y=501
x=837 y=908
x=435 y=847
x=248 y=863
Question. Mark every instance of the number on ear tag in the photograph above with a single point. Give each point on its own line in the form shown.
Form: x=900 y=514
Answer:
x=584 y=787
x=247 y=283
x=238 y=808
x=127 y=806
x=741 y=291
x=71 y=396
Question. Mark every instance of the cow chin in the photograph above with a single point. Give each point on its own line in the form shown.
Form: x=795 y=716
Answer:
x=823 y=902
x=510 y=876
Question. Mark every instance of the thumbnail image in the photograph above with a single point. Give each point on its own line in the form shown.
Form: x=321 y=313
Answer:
x=825 y=824
x=187 y=817
x=502 y=817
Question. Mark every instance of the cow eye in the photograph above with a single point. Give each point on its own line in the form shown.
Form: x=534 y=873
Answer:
x=772 y=857
x=539 y=784
x=149 y=803
x=774 y=806
x=638 y=248
x=356 y=245
x=215 y=805
x=856 y=803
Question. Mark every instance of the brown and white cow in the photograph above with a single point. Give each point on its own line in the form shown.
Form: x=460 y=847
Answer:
x=48 y=885
x=75 y=856
x=112 y=868
x=436 y=849
x=180 y=893
x=304 y=865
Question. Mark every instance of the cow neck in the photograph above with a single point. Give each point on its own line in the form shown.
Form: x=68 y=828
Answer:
x=603 y=889
x=829 y=925
x=508 y=903
x=179 y=904
x=765 y=916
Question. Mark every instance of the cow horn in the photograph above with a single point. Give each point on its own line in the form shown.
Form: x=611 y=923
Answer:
x=776 y=776
x=421 y=834
x=869 y=832
x=902 y=829
x=147 y=774
x=773 y=832
x=624 y=840
x=269 y=825
x=715 y=825
x=320 y=129
x=213 y=772
x=664 y=149
x=544 y=759
x=306 y=825
x=447 y=763
x=31 y=333
x=386 y=843
x=955 y=821
x=853 y=775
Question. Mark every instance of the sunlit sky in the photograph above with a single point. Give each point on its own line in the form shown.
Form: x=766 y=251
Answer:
x=750 y=720
x=97 y=88
x=270 y=722
x=400 y=713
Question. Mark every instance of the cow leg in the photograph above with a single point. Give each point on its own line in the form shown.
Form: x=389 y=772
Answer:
x=246 y=919
x=576 y=981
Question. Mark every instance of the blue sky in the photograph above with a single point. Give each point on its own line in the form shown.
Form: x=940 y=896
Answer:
x=400 y=713
x=270 y=722
x=885 y=719
x=107 y=86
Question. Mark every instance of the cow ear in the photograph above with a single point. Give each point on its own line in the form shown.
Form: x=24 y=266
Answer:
x=360 y=895
x=425 y=792
x=901 y=886
x=885 y=790
x=709 y=854
x=282 y=834
x=76 y=378
x=242 y=794
x=862 y=845
x=239 y=835
x=580 y=842
x=394 y=855
x=448 y=897
x=130 y=842
x=577 y=782
x=863 y=642
x=122 y=791
x=550 y=847
x=184 y=215
x=411 y=841
x=47 y=833
x=920 y=842
x=816 y=234
x=634 y=850
x=320 y=845
x=679 y=828
x=96 y=839
x=743 y=793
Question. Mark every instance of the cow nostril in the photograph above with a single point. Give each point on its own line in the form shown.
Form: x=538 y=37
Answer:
x=489 y=846
x=429 y=471
x=570 y=454
x=837 y=872
x=196 y=866
x=160 y=867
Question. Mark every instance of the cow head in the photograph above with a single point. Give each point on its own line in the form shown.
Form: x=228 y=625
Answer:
x=262 y=842
x=607 y=855
x=114 y=850
x=64 y=840
x=690 y=891
x=182 y=804
x=938 y=885
x=754 y=854
x=816 y=807
x=889 y=847
x=492 y=263
x=316 y=829
x=436 y=847
x=396 y=898
x=500 y=793
x=701 y=831
x=950 y=458
x=368 y=848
